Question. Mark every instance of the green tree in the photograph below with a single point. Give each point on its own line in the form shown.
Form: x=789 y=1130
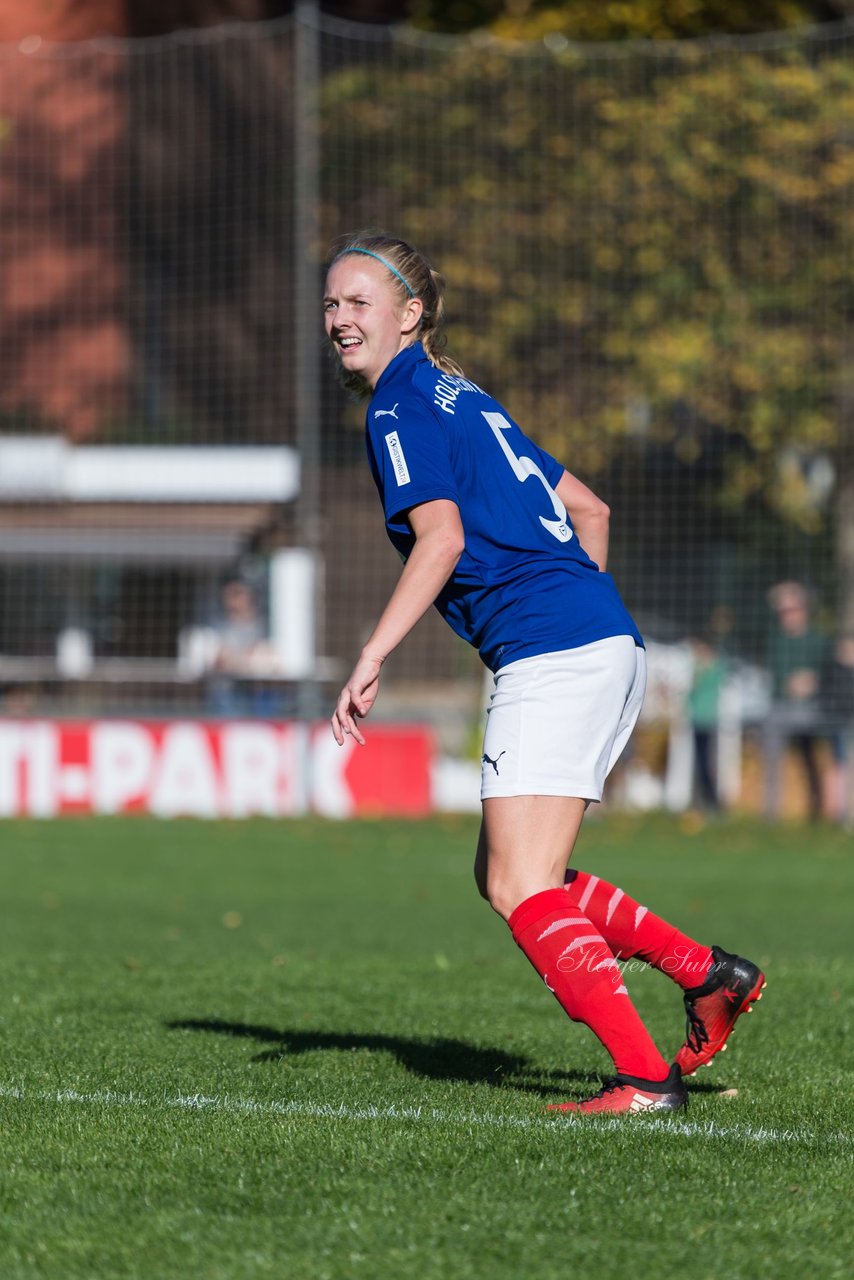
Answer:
x=619 y=19
x=643 y=248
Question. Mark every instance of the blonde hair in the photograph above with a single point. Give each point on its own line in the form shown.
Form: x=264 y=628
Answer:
x=411 y=276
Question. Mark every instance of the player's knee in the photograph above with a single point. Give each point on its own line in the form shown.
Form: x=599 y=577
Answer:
x=494 y=887
x=501 y=896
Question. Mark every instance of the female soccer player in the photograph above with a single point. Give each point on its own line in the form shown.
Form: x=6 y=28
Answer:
x=511 y=548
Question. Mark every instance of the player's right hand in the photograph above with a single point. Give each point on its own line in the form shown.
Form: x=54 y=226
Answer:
x=356 y=699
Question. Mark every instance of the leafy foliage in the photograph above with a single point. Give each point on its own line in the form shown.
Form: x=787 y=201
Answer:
x=639 y=246
x=615 y=19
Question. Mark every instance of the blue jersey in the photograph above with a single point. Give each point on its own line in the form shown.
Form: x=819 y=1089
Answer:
x=523 y=585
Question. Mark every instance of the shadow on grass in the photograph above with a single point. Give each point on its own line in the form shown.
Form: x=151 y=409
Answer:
x=705 y=1086
x=436 y=1059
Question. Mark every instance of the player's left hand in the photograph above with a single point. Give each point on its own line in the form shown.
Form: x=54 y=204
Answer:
x=356 y=699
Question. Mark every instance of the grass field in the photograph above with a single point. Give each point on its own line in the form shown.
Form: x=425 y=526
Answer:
x=308 y=1050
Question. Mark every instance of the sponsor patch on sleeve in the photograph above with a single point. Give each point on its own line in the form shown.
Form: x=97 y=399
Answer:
x=398 y=458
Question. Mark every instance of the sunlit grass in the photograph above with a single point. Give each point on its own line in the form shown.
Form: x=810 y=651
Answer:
x=309 y=1050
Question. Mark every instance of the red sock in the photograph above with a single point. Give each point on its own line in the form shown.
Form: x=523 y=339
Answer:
x=576 y=965
x=630 y=930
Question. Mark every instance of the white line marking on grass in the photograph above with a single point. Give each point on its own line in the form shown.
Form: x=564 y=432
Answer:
x=423 y=1115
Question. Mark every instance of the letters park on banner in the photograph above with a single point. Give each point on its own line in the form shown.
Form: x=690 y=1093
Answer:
x=230 y=769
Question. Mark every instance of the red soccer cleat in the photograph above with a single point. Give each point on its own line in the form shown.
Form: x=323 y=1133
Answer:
x=730 y=989
x=629 y=1095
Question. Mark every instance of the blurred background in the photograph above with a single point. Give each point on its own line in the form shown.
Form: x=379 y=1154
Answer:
x=644 y=213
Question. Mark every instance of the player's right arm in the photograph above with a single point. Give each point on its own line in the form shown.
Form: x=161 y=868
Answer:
x=439 y=543
x=590 y=517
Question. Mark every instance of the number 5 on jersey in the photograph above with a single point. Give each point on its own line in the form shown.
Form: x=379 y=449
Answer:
x=523 y=468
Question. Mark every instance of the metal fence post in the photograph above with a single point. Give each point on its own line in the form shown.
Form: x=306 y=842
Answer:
x=306 y=314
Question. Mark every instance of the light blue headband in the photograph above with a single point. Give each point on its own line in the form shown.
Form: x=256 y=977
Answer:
x=394 y=271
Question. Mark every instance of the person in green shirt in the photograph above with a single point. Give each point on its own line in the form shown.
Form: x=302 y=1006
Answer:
x=836 y=694
x=796 y=656
x=709 y=673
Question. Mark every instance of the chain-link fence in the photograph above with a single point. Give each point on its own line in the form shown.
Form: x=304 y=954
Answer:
x=648 y=254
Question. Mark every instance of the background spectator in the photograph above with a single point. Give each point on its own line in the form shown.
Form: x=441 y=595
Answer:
x=796 y=656
x=243 y=656
x=837 y=707
x=708 y=675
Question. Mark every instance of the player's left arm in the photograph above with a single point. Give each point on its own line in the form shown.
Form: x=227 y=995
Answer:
x=590 y=517
x=439 y=543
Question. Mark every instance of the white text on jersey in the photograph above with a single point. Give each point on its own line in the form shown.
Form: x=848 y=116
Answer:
x=398 y=460
x=448 y=388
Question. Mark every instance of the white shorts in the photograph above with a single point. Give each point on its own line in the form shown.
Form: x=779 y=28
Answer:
x=557 y=723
